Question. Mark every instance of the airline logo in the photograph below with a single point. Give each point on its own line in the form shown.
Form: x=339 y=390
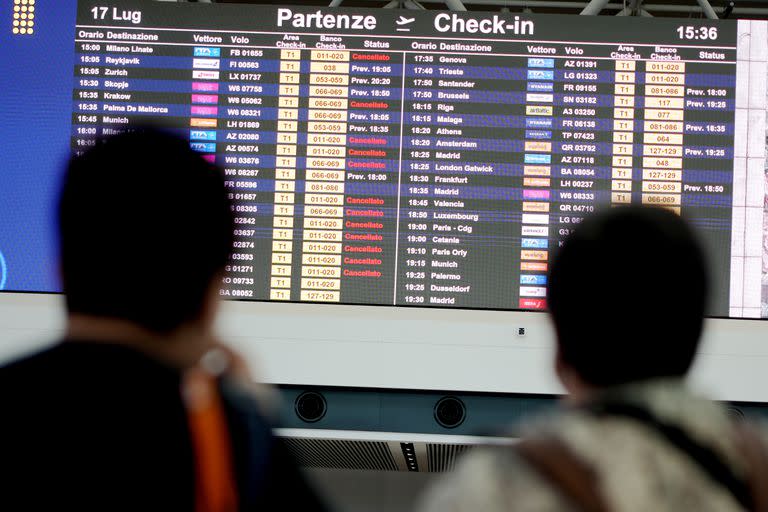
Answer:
x=538 y=122
x=533 y=134
x=531 y=279
x=536 y=182
x=533 y=266
x=540 y=74
x=202 y=135
x=535 y=231
x=205 y=87
x=200 y=110
x=206 y=63
x=538 y=110
x=538 y=62
x=202 y=51
x=527 y=254
x=210 y=158
x=203 y=123
x=534 y=243
x=526 y=303
x=541 y=86
x=536 y=170
x=535 y=207
x=533 y=291
x=535 y=193
x=533 y=97
x=535 y=218
x=210 y=99
x=205 y=147
x=534 y=158
x=205 y=75
x=537 y=146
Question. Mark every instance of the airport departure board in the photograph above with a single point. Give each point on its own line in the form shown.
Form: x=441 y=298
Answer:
x=424 y=158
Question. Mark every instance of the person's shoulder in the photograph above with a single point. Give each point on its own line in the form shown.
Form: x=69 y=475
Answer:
x=489 y=479
x=91 y=376
x=65 y=356
x=29 y=366
x=28 y=399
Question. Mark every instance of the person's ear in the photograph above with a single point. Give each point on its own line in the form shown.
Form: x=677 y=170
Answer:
x=570 y=379
x=561 y=369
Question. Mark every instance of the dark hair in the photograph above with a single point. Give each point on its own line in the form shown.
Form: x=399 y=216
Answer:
x=145 y=226
x=627 y=293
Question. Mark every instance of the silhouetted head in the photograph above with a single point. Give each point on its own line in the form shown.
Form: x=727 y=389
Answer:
x=145 y=228
x=627 y=293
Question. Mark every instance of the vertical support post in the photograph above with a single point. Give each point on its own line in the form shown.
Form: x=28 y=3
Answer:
x=594 y=7
x=455 y=5
x=709 y=12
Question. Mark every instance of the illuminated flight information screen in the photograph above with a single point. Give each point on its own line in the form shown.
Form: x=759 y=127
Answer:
x=434 y=158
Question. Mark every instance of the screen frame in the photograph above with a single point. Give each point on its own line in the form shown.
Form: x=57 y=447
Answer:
x=409 y=348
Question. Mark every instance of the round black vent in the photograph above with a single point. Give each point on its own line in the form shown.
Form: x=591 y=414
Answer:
x=450 y=412
x=310 y=406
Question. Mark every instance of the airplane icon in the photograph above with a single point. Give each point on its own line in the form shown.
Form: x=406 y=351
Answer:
x=404 y=21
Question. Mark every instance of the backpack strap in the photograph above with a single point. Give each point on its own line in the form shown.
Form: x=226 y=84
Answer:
x=565 y=471
x=707 y=459
x=215 y=489
x=553 y=460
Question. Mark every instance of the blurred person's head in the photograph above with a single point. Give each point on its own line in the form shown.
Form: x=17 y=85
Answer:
x=627 y=294
x=145 y=229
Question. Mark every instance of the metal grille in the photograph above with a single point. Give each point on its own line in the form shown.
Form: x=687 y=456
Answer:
x=442 y=457
x=332 y=453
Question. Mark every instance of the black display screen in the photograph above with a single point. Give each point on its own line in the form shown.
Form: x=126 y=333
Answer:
x=421 y=158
